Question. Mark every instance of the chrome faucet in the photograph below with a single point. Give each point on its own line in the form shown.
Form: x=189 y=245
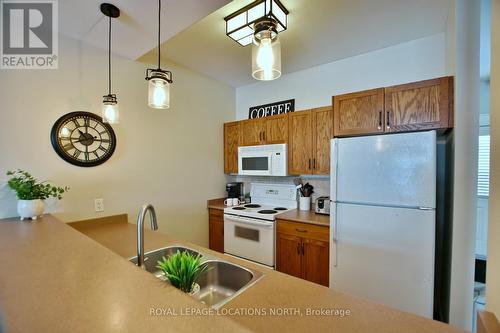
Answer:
x=140 y=231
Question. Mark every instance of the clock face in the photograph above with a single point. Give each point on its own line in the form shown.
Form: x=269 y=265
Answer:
x=82 y=139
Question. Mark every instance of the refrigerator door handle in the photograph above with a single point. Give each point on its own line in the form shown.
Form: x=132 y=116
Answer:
x=334 y=241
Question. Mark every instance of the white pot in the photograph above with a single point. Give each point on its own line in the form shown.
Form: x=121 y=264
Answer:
x=305 y=203
x=30 y=208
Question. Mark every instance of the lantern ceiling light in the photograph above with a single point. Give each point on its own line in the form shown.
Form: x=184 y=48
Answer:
x=259 y=23
x=159 y=79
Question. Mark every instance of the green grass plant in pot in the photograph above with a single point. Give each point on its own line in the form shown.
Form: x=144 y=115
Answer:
x=182 y=269
x=31 y=193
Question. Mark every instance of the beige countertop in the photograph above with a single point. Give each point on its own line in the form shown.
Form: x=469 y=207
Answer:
x=305 y=216
x=64 y=281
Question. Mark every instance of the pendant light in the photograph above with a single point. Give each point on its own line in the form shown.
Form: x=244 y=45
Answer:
x=258 y=24
x=159 y=79
x=110 y=111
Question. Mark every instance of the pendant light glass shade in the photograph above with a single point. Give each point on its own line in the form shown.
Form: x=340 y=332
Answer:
x=159 y=91
x=110 y=110
x=266 y=57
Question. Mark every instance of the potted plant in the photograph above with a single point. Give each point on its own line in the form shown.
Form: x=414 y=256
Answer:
x=182 y=269
x=31 y=193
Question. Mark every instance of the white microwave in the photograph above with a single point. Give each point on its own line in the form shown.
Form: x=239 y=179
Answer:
x=265 y=160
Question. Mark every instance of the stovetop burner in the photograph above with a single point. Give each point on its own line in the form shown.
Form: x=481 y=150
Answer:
x=252 y=206
x=280 y=208
x=239 y=208
x=267 y=211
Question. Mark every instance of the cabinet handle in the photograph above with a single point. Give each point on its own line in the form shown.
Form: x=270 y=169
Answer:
x=302 y=246
x=300 y=230
x=388 y=125
x=264 y=135
x=380 y=120
x=260 y=136
x=298 y=249
x=314 y=163
x=309 y=164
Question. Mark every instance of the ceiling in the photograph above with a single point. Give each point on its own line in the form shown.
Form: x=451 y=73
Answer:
x=135 y=31
x=319 y=31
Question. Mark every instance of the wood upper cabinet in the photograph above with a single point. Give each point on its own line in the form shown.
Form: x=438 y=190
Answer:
x=216 y=230
x=303 y=250
x=251 y=132
x=267 y=130
x=309 y=141
x=419 y=105
x=359 y=113
x=231 y=142
x=276 y=129
x=322 y=130
x=300 y=142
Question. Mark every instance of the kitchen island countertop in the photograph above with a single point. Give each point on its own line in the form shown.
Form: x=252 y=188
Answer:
x=65 y=280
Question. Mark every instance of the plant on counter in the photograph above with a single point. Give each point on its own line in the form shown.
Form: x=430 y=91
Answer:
x=182 y=270
x=31 y=192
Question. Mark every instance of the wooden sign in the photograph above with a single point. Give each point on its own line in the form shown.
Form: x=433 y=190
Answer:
x=271 y=109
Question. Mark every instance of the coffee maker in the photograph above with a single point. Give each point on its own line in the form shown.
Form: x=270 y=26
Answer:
x=235 y=190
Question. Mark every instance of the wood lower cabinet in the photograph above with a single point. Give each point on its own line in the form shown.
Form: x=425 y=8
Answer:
x=303 y=250
x=309 y=141
x=231 y=142
x=216 y=229
x=359 y=113
x=419 y=105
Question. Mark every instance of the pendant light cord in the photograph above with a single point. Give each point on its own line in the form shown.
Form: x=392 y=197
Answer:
x=109 y=57
x=159 y=32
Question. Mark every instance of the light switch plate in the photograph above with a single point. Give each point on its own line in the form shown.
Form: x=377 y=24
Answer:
x=99 y=205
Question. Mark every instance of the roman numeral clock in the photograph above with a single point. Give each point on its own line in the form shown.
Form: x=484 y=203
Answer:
x=83 y=139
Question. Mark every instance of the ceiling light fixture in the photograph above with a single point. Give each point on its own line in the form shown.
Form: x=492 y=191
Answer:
x=159 y=79
x=110 y=111
x=259 y=23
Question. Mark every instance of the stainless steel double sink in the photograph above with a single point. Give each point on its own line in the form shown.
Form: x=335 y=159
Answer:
x=222 y=282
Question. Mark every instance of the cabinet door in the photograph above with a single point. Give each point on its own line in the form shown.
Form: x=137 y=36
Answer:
x=251 y=132
x=322 y=130
x=419 y=105
x=315 y=261
x=216 y=230
x=276 y=129
x=231 y=141
x=359 y=113
x=288 y=254
x=300 y=143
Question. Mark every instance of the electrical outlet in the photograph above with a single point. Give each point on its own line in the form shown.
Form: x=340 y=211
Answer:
x=99 y=205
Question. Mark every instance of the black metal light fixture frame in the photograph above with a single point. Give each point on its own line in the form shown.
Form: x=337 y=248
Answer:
x=158 y=73
x=111 y=11
x=251 y=22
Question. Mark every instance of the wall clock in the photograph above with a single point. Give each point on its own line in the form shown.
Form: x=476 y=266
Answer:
x=81 y=138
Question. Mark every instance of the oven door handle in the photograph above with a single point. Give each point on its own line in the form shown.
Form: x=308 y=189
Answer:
x=248 y=221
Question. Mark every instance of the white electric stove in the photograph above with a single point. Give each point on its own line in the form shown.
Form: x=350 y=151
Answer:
x=249 y=230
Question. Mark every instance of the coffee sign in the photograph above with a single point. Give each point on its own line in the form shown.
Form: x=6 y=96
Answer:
x=271 y=109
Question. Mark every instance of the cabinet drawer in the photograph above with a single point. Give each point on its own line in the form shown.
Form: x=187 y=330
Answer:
x=303 y=230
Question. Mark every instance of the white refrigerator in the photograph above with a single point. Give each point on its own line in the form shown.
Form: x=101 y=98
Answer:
x=382 y=219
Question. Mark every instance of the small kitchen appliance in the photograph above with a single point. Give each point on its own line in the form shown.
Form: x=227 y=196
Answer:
x=235 y=190
x=323 y=205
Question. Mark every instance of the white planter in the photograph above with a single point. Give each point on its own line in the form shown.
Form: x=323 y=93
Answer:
x=305 y=203
x=30 y=208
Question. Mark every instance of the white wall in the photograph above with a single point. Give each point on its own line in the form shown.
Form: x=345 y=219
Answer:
x=463 y=59
x=172 y=159
x=493 y=271
x=314 y=87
